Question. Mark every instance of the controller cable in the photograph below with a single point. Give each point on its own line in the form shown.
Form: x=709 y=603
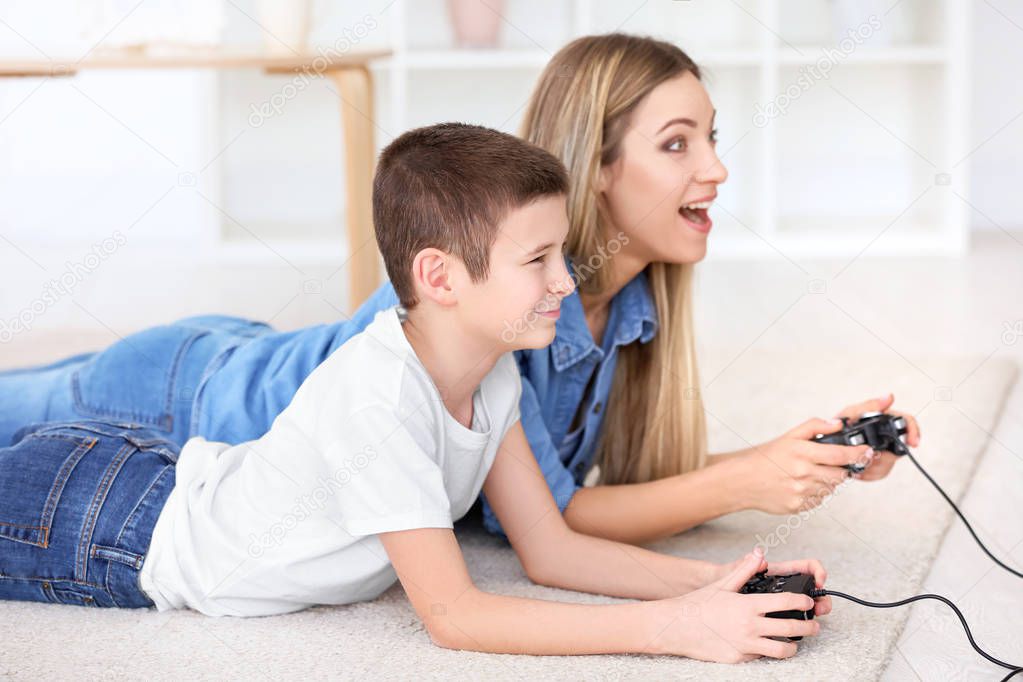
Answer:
x=948 y=499
x=820 y=592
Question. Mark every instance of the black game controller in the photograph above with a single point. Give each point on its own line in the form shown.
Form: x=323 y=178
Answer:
x=882 y=432
x=799 y=583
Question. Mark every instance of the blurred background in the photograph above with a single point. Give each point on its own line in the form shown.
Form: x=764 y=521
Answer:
x=862 y=130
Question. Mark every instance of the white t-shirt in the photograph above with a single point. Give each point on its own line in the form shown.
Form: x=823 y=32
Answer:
x=288 y=521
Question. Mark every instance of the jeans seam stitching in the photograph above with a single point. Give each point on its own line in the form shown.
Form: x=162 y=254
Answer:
x=172 y=385
x=57 y=489
x=89 y=527
x=131 y=516
x=159 y=420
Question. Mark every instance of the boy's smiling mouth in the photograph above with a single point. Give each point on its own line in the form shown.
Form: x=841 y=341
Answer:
x=549 y=307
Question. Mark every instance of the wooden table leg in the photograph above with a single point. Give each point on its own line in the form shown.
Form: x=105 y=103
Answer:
x=355 y=86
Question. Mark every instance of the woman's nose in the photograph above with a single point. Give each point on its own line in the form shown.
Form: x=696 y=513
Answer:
x=714 y=170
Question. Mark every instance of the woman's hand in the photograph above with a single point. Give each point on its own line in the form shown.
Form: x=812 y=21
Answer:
x=792 y=473
x=715 y=623
x=884 y=461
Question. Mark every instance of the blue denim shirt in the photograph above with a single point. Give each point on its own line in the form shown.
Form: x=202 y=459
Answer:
x=554 y=381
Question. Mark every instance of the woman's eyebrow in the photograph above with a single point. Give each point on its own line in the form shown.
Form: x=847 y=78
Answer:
x=686 y=121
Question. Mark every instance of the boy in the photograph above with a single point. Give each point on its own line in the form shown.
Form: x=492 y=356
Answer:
x=384 y=446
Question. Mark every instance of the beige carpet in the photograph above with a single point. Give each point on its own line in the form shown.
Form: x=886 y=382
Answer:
x=877 y=541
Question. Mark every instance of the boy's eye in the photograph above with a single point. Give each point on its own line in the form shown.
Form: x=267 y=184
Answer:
x=714 y=136
x=537 y=259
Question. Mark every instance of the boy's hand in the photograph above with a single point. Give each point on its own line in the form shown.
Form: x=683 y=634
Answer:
x=715 y=623
x=822 y=606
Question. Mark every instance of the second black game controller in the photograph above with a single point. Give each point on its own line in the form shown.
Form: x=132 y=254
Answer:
x=798 y=583
x=882 y=432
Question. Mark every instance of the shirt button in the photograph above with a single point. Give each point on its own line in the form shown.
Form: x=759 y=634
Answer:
x=596 y=408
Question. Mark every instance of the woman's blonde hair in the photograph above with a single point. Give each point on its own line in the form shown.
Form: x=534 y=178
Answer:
x=654 y=426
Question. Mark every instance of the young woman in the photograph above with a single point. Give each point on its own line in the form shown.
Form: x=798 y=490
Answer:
x=618 y=387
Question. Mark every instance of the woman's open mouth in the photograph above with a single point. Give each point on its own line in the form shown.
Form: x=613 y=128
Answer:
x=695 y=215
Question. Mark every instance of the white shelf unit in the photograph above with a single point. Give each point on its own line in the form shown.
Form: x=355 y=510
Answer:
x=840 y=172
x=835 y=176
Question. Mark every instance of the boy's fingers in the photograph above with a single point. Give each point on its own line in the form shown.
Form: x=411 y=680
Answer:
x=789 y=627
x=746 y=569
x=782 y=601
x=811 y=566
x=774 y=649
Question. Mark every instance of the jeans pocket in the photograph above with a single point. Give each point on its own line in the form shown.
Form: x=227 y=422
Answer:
x=135 y=379
x=33 y=474
x=70 y=596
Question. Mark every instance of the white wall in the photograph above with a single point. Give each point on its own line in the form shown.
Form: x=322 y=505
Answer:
x=997 y=111
x=85 y=158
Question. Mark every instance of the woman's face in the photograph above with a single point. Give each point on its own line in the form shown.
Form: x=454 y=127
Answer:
x=667 y=171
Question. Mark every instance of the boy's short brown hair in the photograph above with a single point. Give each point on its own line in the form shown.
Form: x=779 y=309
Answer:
x=448 y=186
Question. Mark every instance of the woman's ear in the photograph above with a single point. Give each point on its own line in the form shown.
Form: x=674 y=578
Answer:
x=431 y=274
x=605 y=176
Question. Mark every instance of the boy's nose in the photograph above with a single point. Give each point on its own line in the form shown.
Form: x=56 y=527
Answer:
x=563 y=285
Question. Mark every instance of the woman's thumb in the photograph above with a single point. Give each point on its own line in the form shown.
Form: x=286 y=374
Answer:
x=746 y=569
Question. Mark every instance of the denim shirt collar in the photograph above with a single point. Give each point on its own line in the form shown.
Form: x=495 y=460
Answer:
x=632 y=316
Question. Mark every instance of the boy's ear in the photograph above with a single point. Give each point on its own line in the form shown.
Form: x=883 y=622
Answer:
x=431 y=272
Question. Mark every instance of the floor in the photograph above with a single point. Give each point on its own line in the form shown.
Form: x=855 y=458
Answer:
x=909 y=308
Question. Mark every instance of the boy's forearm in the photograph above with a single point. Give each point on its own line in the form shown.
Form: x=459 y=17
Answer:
x=481 y=621
x=641 y=512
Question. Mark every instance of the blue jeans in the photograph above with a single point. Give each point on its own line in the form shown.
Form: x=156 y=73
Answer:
x=151 y=379
x=78 y=504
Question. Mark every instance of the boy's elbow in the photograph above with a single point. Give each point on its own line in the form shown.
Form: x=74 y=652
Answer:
x=446 y=637
x=453 y=627
x=542 y=573
x=546 y=562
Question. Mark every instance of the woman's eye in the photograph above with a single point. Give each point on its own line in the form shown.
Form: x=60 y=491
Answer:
x=677 y=145
x=714 y=136
x=538 y=259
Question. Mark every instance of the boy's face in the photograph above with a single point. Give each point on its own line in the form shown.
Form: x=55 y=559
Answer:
x=519 y=303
